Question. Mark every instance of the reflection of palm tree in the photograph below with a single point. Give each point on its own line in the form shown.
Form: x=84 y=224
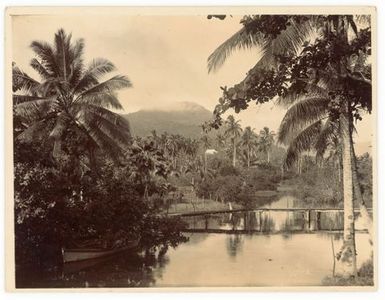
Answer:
x=234 y=244
x=233 y=130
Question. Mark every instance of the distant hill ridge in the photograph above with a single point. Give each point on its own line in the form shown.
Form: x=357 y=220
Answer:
x=183 y=118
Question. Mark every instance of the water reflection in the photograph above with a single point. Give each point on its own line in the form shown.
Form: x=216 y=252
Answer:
x=290 y=259
x=124 y=270
x=282 y=248
x=256 y=260
x=272 y=219
x=234 y=244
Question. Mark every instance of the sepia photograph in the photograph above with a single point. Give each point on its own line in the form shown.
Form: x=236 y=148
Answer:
x=194 y=148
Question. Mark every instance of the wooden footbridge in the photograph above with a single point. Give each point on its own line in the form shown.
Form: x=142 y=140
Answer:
x=256 y=220
x=262 y=209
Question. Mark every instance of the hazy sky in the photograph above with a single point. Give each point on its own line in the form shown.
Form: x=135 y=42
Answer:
x=164 y=57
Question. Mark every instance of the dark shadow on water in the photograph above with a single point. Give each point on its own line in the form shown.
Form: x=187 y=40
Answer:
x=123 y=270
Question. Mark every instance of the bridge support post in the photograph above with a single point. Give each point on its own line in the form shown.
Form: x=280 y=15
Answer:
x=207 y=221
x=317 y=220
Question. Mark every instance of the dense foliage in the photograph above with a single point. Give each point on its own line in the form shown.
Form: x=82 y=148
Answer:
x=56 y=208
x=230 y=184
x=317 y=186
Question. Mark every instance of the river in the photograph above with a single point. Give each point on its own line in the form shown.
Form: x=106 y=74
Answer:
x=271 y=257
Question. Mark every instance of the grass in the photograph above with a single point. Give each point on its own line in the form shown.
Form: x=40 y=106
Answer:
x=364 y=278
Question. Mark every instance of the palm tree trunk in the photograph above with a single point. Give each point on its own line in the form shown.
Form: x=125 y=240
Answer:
x=205 y=161
x=268 y=157
x=348 y=252
x=234 y=153
x=299 y=164
x=368 y=222
x=192 y=184
x=248 y=157
x=339 y=167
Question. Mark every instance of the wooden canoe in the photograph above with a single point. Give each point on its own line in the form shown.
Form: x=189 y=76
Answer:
x=81 y=254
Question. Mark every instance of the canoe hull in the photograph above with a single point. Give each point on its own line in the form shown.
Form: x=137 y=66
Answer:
x=80 y=254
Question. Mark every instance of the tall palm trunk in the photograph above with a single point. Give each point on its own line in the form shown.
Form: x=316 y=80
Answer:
x=299 y=164
x=339 y=167
x=368 y=222
x=348 y=251
x=205 y=161
x=234 y=152
x=248 y=156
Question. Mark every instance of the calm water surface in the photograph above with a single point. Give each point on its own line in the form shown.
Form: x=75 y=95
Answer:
x=267 y=258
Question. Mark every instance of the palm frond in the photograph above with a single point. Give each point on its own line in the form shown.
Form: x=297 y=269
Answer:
x=313 y=90
x=112 y=117
x=77 y=66
x=21 y=81
x=363 y=20
x=36 y=132
x=302 y=142
x=289 y=41
x=301 y=114
x=39 y=68
x=62 y=52
x=97 y=68
x=45 y=52
x=33 y=109
x=120 y=136
x=242 y=39
x=18 y=99
x=106 y=87
x=102 y=99
x=101 y=139
x=325 y=138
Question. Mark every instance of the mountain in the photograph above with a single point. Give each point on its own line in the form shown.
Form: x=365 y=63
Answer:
x=183 y=118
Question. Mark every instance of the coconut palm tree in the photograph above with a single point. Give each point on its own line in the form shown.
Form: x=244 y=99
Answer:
x=149 y=163
x=206 y=143
x=266 y=141
x=192 y=146
x=205 y=140
x=70 y=97
x=172 y=144
x=155 y=138
x=285 y=37
x=233 y=131
x=220 y=140
x=248 y=141
x=307 y=126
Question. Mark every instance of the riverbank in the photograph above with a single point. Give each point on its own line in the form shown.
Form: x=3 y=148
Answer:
x=191 y=203
x=364 y=277
x=201 y=205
